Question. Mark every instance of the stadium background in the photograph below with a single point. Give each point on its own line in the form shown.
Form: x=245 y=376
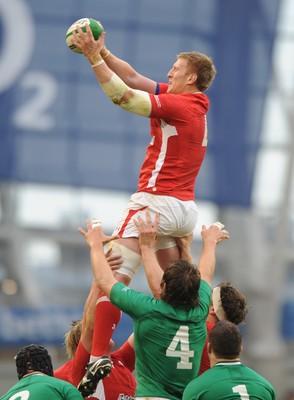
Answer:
x=67 y=154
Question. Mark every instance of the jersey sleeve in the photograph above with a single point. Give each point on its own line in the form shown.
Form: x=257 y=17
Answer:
x=161 y=88
x=178 y=108
x=126 y=355
x=127 y=300
x=79 y=364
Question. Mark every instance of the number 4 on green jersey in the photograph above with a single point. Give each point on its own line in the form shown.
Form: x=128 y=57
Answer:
x=179 y=347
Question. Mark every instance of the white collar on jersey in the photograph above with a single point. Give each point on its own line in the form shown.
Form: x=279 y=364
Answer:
x=228 y=363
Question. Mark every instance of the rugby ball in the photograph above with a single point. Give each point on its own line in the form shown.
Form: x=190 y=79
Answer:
x=95 y=26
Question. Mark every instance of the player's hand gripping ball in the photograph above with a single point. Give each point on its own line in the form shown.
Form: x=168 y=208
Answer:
x=95 y=26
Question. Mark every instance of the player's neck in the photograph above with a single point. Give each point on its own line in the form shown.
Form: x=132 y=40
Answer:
x=34 y=373
x=215 y=361
x=192 y=89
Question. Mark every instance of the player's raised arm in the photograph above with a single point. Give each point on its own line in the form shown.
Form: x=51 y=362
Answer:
x=88 y=317
x=96 y=240
x=123 y=69
x=147 y=239
x=127 y=73
x=132 y=100
x=211 y=237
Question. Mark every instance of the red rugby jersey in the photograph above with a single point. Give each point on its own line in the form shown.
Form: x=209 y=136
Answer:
x=120 y=384
x=205 y=362
x=74 y=370
x=178 y=144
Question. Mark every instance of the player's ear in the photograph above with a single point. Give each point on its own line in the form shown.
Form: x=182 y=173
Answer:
x=193 y=78
x=208 y=348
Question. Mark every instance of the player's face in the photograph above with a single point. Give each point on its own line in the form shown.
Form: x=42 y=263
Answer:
x=179 y=77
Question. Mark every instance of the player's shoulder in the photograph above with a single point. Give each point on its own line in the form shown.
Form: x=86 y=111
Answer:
x=203 y=381
x=161 y=88
x=255 y=376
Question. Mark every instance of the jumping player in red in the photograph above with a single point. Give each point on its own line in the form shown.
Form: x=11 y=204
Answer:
x=178 y=128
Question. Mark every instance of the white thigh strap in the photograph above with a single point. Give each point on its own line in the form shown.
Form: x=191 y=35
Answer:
x=131 y=260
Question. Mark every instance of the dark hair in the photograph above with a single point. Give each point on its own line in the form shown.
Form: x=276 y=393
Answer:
x=225 y=340
x=233 y=303
x=33 y=358
x=202 y=65
x=181 y=282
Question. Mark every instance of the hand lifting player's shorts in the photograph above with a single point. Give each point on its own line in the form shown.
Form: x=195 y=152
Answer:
x=177 y=219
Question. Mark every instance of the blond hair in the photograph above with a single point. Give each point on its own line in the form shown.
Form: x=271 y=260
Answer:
x=72 y=338
x=202 y=65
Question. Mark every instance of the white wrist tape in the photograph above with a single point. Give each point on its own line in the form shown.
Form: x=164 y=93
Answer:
x=96 y=222
x=219 y=225
x=99 y=62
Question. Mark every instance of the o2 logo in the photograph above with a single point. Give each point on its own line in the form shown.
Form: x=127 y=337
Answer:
x=16 y=51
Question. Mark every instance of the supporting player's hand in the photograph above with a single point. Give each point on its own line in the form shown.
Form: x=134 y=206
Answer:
x=115 y=261
x=147 y=230
x=95 y=235
x=215 y=232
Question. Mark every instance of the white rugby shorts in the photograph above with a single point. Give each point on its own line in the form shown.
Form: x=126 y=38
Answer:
x=178 y=218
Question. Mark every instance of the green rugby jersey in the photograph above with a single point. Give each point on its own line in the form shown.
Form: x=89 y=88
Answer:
x=229 y=380
x=168 y=341
x=42 y=387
